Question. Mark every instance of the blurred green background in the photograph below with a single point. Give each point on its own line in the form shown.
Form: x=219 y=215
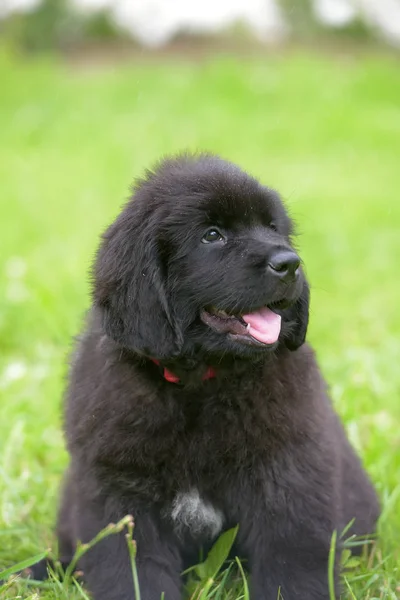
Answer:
x=318 y=119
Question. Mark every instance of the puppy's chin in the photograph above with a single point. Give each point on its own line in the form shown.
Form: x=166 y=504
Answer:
x=217 y=346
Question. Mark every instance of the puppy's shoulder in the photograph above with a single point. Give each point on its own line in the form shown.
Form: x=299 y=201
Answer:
x=105 y=384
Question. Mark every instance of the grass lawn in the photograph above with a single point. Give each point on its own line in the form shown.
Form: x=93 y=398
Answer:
x=324 y=130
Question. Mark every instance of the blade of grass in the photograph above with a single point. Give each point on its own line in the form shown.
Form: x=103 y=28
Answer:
x=244 y=578
x=132 y=549
x=346 y=529
x=349 y=589
x=224 y=579
x=24 y=564
x=331 y=567
x=81 y=590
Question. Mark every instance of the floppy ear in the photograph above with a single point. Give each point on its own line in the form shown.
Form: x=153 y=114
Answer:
x=297 y=317
x=129 y=287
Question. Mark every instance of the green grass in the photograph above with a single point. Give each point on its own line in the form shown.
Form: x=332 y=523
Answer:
x=324 y=130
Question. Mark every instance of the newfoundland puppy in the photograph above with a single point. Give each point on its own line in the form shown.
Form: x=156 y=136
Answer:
x=194 y=404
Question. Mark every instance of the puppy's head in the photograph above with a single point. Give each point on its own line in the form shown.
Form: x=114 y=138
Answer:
x=200 y=262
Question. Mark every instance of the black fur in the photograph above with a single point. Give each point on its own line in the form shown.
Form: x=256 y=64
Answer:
x=259 y=441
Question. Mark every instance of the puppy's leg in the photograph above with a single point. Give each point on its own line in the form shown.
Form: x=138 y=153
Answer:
x=287 y=552
x=106 y=567
x=294 y=574
x=65 y=523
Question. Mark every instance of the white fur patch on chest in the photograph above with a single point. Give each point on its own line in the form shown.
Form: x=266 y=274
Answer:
x=190 y=511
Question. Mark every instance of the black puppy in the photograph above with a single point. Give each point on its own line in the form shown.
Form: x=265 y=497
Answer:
x=193 y=402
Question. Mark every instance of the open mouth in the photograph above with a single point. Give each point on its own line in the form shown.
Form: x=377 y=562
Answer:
x=260 y=327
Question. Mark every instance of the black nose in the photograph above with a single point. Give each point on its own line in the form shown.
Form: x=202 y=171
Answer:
x=284 y=264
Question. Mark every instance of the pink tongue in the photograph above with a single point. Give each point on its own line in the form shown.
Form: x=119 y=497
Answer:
x=265 y=325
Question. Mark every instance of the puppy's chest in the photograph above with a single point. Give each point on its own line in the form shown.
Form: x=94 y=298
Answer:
x=214 y=449
x=216 y=430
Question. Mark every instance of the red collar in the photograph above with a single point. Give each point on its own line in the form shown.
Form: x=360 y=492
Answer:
x=172 y=378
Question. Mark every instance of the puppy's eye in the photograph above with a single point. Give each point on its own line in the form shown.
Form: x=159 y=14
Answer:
x=273 y=226
x=212 y=235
